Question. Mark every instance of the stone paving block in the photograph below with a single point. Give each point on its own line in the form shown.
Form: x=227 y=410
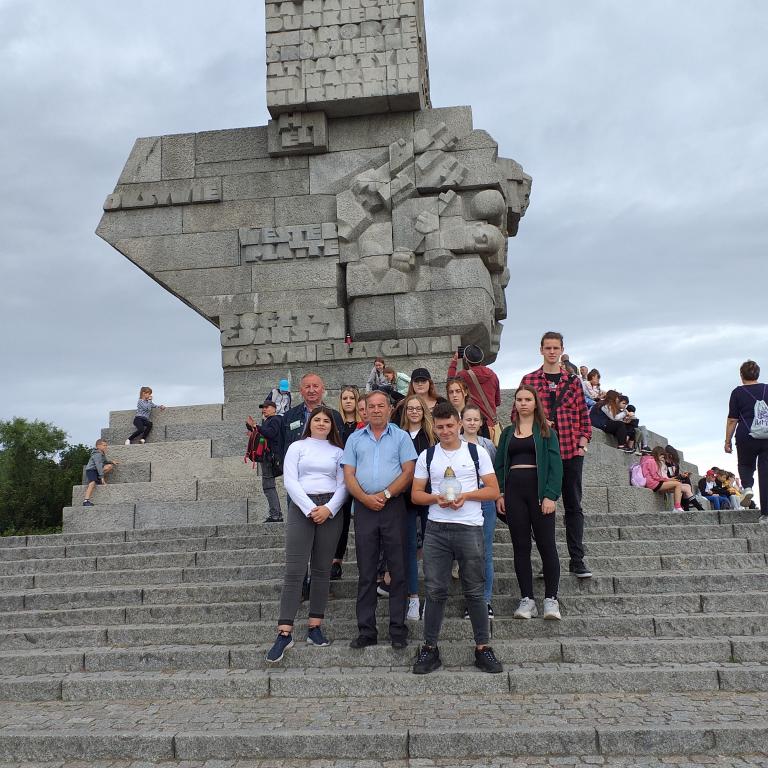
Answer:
x=168 y=490
x=746 y=679
x=311 y=743
x=35 y=639
x=57 y=565
x=144 y=162
x=156 y=659
x=198 y=250
x=749 y=649
x=213 y=468
x=87 y=744
x=514 y=740
x=229 y=215
x=207 y=282
x=661 y=739
x=235 y=144
x=210 y=512
x=143 y=222
x=178 y=156
x=87 y=687
x=104 y=517
x=29 y=689
x=41 y=662
x=34 y=553
x=83 y=599
x=639 y=651
x=176 y=449
x=365 y=133
x=16 y=582
x=265 y=185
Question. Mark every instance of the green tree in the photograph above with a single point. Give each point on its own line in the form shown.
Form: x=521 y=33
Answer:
x=37 y=471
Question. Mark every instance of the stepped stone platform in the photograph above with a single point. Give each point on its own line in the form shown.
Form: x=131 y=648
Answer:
x=138 y=635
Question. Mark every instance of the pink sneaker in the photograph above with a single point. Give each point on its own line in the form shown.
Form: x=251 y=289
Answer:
x=679 y=509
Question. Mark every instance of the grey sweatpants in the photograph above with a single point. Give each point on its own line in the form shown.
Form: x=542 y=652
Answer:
x=305 y=541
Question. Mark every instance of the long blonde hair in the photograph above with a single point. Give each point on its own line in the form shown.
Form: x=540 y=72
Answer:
x=427 y=424
x=356 y=393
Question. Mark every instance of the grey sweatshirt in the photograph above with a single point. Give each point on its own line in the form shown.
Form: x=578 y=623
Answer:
x=97 y=462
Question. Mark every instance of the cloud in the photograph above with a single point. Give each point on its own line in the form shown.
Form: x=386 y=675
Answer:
x=645 y=129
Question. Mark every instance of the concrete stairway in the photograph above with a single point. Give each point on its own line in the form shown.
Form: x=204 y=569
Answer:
x=139 y=635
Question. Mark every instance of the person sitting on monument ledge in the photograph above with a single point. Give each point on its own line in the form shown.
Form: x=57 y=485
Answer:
x=378 y=467
x=281 y=397
x=482 y=382
x=376 y=379
x=448 y=479
x=314 y=479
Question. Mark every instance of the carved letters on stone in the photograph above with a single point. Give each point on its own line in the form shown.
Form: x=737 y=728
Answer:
x=298 y=133
x=251 y=356
x=258 y=328
x=299 y=242
x=323 y=56
x=204 y=191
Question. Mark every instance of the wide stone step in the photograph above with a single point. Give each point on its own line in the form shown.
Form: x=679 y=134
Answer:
x=457 y=653
x=713 y=723
x=451 y=681
x=179 y=450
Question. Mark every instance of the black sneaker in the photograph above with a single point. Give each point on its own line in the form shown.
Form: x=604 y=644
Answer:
x=363 y=642
x=335 y=571
x=580 y=571
x=486 y=661
x=490 y=612
x=428 y=660
x=87 y=503
x=466 y=613
x=382 y=589
x=271 y=519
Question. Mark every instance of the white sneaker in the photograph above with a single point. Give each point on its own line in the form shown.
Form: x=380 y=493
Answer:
x=747 y=497
x=413 y=609
x=127 y=442
x=142 y=441
x=455 y=570
x=551 y=608
x=527 y=609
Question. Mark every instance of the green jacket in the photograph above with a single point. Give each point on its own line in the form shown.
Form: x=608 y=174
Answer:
x=549 y=465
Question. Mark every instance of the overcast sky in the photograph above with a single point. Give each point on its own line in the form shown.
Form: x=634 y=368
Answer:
x=644 y=126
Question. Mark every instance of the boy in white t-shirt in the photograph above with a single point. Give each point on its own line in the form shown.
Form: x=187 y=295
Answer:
x=454 y=532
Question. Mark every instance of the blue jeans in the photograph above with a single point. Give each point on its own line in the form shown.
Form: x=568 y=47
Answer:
x=417 y=516
x=489 y=527
x=715 y=501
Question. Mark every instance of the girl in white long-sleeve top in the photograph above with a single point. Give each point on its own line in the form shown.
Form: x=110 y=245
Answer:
x=314 y=481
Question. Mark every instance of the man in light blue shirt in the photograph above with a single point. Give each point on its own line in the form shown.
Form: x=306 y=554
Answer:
x=378 y=467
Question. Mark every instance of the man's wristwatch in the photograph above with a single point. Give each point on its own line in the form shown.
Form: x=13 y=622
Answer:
x=387 y=494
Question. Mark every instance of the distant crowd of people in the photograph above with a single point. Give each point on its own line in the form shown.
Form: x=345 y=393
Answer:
x=424 y=477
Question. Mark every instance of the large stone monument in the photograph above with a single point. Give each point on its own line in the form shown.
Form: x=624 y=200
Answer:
x=358 y=222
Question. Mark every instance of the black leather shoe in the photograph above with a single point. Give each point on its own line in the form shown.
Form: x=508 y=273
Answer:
x=363 y=642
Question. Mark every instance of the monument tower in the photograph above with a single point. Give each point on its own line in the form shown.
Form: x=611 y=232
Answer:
x=359 y=222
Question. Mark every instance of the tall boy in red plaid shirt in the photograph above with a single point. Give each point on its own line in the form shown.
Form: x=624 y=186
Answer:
x=563 y=398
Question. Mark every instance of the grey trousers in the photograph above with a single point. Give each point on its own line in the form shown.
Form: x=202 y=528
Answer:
x=444 y=543
x=268 y=486
x=306 y=541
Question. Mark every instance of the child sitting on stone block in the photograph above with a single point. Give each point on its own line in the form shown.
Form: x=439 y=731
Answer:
x=97 y=469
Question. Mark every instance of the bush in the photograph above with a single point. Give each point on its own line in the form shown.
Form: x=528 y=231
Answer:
x=37 y=471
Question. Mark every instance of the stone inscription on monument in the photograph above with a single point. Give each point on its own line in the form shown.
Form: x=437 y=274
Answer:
x=358 y=222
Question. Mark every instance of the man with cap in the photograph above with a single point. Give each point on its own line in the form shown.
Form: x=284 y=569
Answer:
x=281 y=397
x=271 y=429
x=482 y=382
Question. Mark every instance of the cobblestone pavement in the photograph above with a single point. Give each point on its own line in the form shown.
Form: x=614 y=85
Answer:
x=584 y=761
x=414 y=712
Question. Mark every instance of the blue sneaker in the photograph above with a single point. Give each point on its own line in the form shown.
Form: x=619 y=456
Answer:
x=87 y=503
x=316 y=637
x=277 y=651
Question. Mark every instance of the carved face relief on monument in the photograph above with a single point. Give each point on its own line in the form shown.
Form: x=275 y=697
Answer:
x=358 y=223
